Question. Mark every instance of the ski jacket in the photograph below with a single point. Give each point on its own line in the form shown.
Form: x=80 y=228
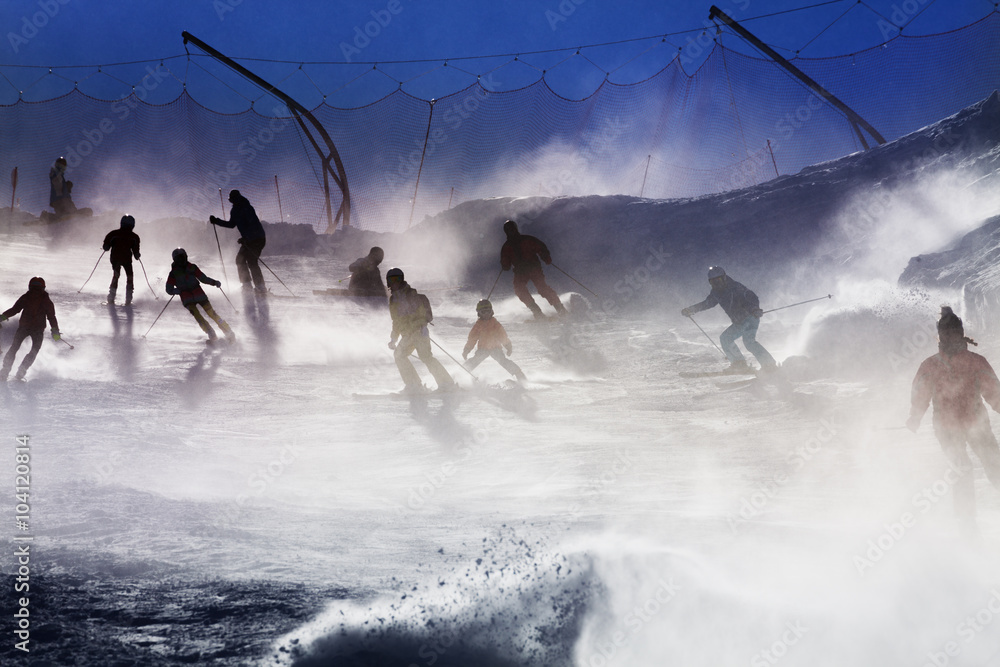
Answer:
x=185 y=280
x=244 y=218
x=366 y=279
x=522 y=252
x=490 y=335
x=57 y=185
x=956 y=385
x=410 y=311
x=35 y=307
x=123 y=244
x=736 y=300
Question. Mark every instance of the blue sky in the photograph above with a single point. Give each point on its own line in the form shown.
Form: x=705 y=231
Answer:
x=54 y=33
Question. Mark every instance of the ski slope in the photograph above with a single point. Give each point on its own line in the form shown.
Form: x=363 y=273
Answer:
x=273 y=503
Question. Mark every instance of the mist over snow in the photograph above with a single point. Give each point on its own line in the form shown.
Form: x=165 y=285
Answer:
x=276 y=503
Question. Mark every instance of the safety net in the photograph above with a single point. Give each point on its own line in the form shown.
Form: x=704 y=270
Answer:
x=735 y=121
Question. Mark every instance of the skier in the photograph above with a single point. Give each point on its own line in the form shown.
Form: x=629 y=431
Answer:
x=60 y=198
x=522 y=253
x=123 y=244
x=492 y=338
x=244 y=218
x=184 y=280
x=411 y=313
x=743 y=308
x=956 y=381
x=366 y=279
x=35 y=307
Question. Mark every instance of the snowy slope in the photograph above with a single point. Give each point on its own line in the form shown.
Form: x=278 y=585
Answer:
x=273 y=503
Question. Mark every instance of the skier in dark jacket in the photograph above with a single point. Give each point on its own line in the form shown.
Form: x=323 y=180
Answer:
x=522 y=253
x=411 y=313
x=956 y=381
x=184 y=280
x=366 y=279
x=252 y=240
x=743 y=308
x=35 y=307
x=60 y=189
x=123 y=244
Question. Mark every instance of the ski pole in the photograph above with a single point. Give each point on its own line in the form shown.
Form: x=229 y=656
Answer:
x=64 y=340
x=227 y=299
x=219 y=245
x=275 y=276
x=453 y=359
x=494 y=285
x=577 y=282
x=159 y=316
x=819 y=298
x=147 y=280
x=92 y=272
x=706 y=335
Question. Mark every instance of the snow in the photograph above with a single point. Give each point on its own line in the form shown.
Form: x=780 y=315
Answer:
x=242 y=505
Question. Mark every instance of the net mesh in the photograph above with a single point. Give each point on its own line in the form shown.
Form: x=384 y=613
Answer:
x=736 y=121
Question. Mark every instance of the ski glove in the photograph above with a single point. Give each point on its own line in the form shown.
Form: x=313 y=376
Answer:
x=758 y=313
x=56 y=335
x=137 y=255
x=212 y=219
x=216 y=283
x=3 y=318
x=913 y=423
x=392 y=345
x=510 y=348
x=686 y=312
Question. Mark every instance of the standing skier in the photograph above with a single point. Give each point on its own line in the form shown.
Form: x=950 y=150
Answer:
x=491 y=338
x=522 y=253
x=411 y=313
x=184 y=280
x=366 y=279
x=35 y=307
x=956 y=381
x=244 y=218
x=60 y=198
x=123 y=244
x=743 y=308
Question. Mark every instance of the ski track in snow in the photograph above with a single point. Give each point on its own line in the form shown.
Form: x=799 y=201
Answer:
x=594 y=519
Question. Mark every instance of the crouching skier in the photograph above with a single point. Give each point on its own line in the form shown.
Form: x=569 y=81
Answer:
x=35 y=307
x=491 y=338
x=184 y=280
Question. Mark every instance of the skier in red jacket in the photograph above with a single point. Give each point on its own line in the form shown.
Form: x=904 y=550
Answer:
x=956 y=381
x=184 y=280
x=522 y=253
x=35 y=307
x=491 y=338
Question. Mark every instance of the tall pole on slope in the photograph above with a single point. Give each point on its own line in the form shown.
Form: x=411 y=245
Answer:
x=301 y=115
x=857 y=122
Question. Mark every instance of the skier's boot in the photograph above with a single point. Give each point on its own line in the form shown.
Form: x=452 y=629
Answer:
x=128 y=296
x=111 y=295
x=536 y=311
x=738 y=367
x=560 y=309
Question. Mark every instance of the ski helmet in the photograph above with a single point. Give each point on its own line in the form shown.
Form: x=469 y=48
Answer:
x=394 y=274
x=510 y=228
x=950 y=324
x=716 y=272
x=377 y=254
x=484 y=309
x=61 y=161
x=179 y=255
x=36 y=283
x=128 y=222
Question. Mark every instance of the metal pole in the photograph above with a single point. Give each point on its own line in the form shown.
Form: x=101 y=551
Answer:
x=13 y=189
x=453 y=359
x=91 y=273
x=218 y=245
x=819 y=298
x=771 y=151
x=155 y=298
x=706 y=335
x=450 y=197
x=855 y=119
x=494 y=285
x=280 y=213
x=159 y=316
x=646 y=173
x=230 y=302
x=416 y=187
x=275 y=275
x=577 y=282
